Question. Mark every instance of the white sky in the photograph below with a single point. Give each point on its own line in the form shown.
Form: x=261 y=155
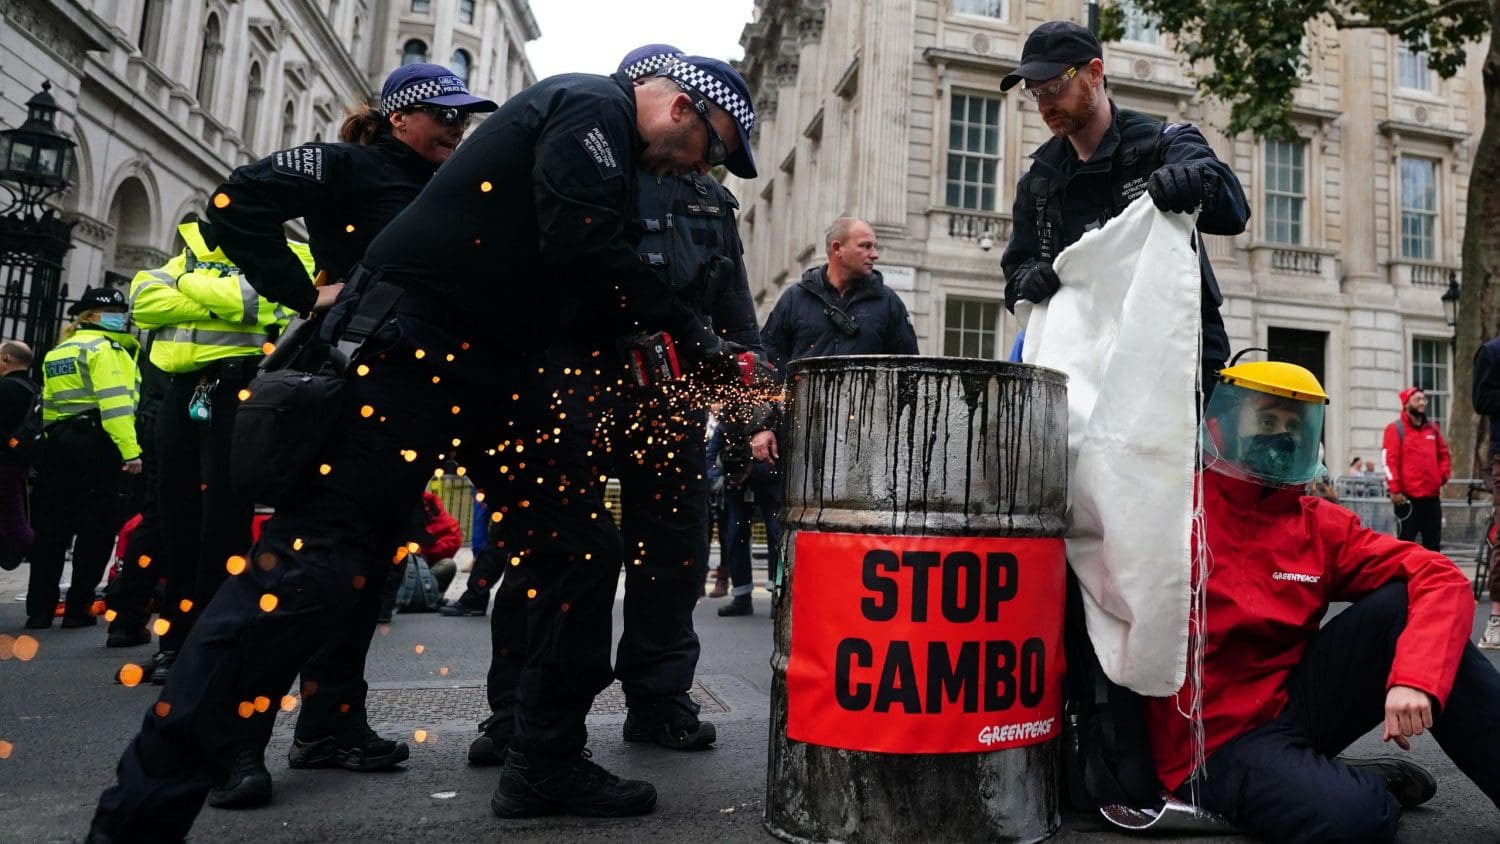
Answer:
x=591 y=36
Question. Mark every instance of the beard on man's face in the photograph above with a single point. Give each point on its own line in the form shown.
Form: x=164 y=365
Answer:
x=1066 y=122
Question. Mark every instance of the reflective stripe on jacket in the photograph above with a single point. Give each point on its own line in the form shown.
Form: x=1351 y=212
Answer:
x=95 y=369
x=201 y=309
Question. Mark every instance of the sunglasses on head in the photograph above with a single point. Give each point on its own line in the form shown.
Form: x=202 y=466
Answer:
x=443 y=114
x=717 y=150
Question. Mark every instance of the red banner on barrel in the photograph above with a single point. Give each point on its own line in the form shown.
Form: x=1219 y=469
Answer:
x=905 y=644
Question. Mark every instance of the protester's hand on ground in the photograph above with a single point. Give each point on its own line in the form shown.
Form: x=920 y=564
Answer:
x=1408 y=712
x=132 y=467
x=763 y=447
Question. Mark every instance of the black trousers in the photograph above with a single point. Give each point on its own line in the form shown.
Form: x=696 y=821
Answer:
x=651 y=440
x=323 y=556
x=76 y=503
x=204 y=521
x=129 y=594
x=1421 y=517
x=764 y=485
x=1281 y=780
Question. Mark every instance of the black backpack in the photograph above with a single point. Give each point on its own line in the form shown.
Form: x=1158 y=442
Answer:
x=25 y=441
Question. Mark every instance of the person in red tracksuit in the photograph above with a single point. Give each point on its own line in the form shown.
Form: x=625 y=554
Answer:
x=1281 y=696
x=1416 y=467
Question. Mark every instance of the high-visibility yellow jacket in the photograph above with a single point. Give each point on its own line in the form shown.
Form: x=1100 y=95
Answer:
x=95 y=369
x=200 y=309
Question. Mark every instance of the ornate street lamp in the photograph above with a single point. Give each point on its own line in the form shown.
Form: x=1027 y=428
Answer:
x=1450 y=310
x=36 y=163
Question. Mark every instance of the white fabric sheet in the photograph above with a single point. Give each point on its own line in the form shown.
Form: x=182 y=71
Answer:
x=1124 y=327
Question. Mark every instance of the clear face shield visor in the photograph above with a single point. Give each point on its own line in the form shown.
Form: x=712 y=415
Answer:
x=1269 y=439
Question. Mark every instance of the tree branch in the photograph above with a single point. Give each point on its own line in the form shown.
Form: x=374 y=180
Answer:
x=1343 y=20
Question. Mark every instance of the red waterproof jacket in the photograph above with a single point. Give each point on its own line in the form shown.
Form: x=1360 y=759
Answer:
x=444 y=534
x=1416 y=459
x=1278 y=559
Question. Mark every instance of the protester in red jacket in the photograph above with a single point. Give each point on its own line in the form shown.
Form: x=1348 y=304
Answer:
x=1280 y=697
x=444 y=535
x=1416 y=467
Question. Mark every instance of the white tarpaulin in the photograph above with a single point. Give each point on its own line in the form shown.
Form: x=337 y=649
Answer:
x=1124 y=327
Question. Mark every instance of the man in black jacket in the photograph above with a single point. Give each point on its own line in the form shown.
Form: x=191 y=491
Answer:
x=840 y=308
x=17 y=398
x=1100 y=159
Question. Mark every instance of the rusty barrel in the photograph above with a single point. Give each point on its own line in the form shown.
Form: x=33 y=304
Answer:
x=918 y=643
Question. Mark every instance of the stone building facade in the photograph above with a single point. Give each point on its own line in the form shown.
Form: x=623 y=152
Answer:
x=165 y=97
x=892 y=111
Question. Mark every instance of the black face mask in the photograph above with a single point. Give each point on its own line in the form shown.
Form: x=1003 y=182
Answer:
x=1269 y=456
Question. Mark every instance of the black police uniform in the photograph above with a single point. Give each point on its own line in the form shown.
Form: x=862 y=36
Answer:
x=129 y=594
x=346 y=194
x=525 y=222
x=650 y=439
x=1060 y=198
x=812 y=320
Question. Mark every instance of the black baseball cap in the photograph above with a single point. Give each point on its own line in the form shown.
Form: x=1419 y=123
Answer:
x=1051 y=49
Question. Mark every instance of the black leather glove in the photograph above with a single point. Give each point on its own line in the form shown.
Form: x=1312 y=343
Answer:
x=1181 y=188
x=720 y=363
x=1035 y=282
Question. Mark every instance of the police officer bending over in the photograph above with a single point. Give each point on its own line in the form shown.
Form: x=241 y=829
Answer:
x=1100 y=159
x=646 y=437
x=475 y=247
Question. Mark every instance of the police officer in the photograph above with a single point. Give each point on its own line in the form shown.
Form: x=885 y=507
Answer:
x=647 y=436
x=208 y=329
x=346 y=193
x=445 y=279
x=1100 y=159
x=88 y=408
x=18 y=401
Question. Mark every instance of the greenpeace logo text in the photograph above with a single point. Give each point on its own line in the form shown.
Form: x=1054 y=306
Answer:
x=1300 y=578
x=999 y=733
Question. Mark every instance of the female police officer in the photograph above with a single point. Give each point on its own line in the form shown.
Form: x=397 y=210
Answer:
x=88 y=407
x=345 y=193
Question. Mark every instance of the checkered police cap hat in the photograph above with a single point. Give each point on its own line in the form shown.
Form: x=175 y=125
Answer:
x=646 y=61
x=428 y=83
x=724 y=87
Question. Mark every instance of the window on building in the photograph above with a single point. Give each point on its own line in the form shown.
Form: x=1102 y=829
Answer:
x=208 y=60
x=983 y=8
x=460 y=64
x=1286 y=190
x=971 y=328
x=973 y=152
x=466 y=11
x=1411 y=69
x=1139 y=27
x=1429 y=371
x=421 y=7
x=253 y=95
x=288 y=125
x=149 y=39
x=414 y=51
x=1419 y=208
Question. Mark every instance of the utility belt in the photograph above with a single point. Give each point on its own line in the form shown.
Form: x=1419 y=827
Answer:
x=297 y=399
x=78 y=422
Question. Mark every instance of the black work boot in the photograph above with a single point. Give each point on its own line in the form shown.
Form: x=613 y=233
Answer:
x=161 y=667
x=494 y=737
x=127 y=636
x=575 y=786
x=469 y=604
x=739 y=605
x=248 y=784
x=359 y=749
x=670 y=726
x=1410 y=783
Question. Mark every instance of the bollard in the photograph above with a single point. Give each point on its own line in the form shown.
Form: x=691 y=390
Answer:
x=916 y=691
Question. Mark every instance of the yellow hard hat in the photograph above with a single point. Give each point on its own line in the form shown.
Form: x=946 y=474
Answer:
x=1276 y=377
